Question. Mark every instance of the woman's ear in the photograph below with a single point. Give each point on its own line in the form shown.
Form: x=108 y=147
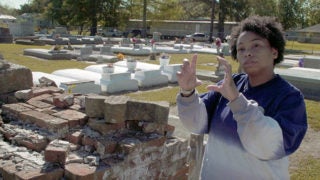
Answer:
x=274 y=53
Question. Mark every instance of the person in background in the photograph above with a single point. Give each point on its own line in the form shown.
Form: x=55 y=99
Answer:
x=218 y=45
x=254 y=120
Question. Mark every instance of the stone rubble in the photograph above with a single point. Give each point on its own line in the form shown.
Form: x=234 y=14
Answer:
x=50 y=134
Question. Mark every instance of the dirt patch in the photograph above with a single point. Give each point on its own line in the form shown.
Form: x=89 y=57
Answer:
x=309 y=147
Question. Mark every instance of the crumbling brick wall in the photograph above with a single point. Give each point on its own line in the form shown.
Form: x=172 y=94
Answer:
x=52 y=135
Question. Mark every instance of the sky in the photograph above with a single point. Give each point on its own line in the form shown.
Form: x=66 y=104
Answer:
x=14 y=3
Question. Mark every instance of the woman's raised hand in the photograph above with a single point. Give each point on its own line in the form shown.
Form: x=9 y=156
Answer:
x=187 y=78
x=227 y=89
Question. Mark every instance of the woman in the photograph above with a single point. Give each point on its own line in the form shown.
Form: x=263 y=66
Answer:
x=255 y=119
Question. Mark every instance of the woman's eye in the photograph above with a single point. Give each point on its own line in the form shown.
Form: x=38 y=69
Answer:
x=240 y=49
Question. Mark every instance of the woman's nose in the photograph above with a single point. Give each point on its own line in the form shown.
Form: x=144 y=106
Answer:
x=248 y=52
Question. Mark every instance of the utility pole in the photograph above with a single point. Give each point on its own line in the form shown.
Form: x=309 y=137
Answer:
x=211 y=23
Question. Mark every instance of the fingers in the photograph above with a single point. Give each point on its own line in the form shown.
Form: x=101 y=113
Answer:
x=199 y=82
x=194 y=61
x=185 y=62
x=213 y=88
x=225 y=63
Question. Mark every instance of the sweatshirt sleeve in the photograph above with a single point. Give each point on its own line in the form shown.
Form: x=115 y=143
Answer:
x=192 y=113
x=260 y=135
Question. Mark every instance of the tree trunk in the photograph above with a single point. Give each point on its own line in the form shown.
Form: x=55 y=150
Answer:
x=222 y=15
x=144 y=21
x=94 y=20
x=211 y=22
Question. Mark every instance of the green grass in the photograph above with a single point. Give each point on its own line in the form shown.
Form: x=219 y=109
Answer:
x=308 y=170
x=313 y=114
x=309 y=167
x=14 y=54
x=294 y=46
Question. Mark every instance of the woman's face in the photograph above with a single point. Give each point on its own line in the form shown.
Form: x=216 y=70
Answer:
x=255 y=54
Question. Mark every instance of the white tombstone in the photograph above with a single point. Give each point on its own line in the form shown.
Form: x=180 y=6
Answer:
x=85 y=52
x=171 y=72
x=106 y=50
x=118 y=82
x=149 y=78
x=225 y=49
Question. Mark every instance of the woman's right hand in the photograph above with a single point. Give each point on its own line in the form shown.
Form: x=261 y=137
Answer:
x=187 y=78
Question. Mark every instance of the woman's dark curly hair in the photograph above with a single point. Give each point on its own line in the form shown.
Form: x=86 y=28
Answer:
x=264 y=26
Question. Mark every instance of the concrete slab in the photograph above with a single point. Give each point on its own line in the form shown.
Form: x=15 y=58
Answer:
x=131 y=50
x=47 y=54
x=149 y=78
x=305 y=79
x=68 y=84
x=79 y=74
x=312 y=62
x=118 y=82
x=171 y=72
x=309 y=61
x=287 y=63
x=102 y=58
x=81 y=87
x=140 y=65
x=57 y=79
x=98 y=68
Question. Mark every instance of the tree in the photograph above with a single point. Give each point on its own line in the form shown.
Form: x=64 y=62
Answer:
x=237 y=10
x=288 y=13
x=309 y=13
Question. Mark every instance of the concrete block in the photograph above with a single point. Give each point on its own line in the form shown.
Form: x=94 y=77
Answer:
x=149 y=78
x=118 y=82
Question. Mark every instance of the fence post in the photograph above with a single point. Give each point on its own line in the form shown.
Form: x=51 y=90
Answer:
x=195 y=155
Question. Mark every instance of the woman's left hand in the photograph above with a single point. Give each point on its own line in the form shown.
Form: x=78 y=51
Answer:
x=227 y=89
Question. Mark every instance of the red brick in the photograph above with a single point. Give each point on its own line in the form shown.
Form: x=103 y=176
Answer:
x=88 y=141
x=75 y=137
x=108 y=145
x=46 y=90
x=8 y=171
x=7 y=134
x=169 y=130
x=73 y=117
x=50 y=110
x=40 y=174
x=181 y=174
x=155 y=142
x=163 y=129
x=106 y=128
x=41 y=97
x=34 y=143
x=94 y=105
x=63 y=101
x=57 y=151
x=39 y=104
x=76 y=171
x=14 y=110
x=44 y=120
x=27 y=105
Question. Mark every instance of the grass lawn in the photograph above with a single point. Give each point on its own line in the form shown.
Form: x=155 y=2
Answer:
x=14 y=53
